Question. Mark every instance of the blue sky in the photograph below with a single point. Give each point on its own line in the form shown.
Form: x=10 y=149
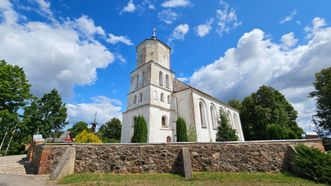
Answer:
x=86 y=49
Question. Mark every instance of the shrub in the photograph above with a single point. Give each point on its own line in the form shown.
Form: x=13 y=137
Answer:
x=224 y=131
x=313 y=164
x=290 y=134
x=274 y=131
x=181 y=130
x=87 y=137
x=140 y=130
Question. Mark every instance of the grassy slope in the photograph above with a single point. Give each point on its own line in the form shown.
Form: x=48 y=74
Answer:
x=205 y=178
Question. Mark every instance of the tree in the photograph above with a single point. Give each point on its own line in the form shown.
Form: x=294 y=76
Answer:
x=181 y=130
x=264 y=107
x=14 y=94
x=274 y=131
x=322 y=95
x=140 y=130
x=235 y=103
x=78 y=127
x=46 y=115
x=110 y=132
x=224 y=131
x=87 y=137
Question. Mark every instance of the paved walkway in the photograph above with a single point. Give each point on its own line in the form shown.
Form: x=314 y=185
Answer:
x=12 y=173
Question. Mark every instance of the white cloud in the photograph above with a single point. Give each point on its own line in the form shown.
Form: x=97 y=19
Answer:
x=115 y=39
x=53 y=55
x=45 y=8
x=87 y=26
x=204 y=29
x=256 y=60
x=227 y=19
x=168 y=16
x=130 y=7
x=288 y=40
x=175 y=3
x=289 y=17
x=104 y=107
x=179 y=32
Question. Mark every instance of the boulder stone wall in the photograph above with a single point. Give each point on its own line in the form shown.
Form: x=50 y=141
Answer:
x=254 y=156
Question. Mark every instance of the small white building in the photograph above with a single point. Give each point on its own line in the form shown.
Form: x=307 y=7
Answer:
x=161 y=99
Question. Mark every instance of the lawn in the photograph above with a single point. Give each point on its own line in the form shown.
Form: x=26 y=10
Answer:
x=199 y=178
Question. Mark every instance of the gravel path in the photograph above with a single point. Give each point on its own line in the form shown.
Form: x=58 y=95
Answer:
x=12 y=173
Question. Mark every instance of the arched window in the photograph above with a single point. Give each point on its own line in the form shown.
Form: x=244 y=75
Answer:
x=221 y=112
x=162 y=97
x=140 y=97
x=213 y=116
x=134 y=99
x=164 y=121
x=168 y=99
x=160 y=78
x=168 y=139
x=137 y=81
x=155 y=94
x=228 y=114
x=167 y=81
x=236 y=122
x=202 y=114
x=141 y=78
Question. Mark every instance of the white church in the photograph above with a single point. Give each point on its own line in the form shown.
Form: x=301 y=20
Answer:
x=157 y=95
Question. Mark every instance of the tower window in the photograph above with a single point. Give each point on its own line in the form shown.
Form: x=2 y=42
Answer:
x=162 y=97
x=134 y=99
x=140 y=97
x=160 y=78
x=168 y=99
x=155 y=94
x=164 y=121
x=167 y=81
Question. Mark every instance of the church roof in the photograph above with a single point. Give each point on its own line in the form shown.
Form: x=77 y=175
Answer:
x=179 y=86
x=154 y=39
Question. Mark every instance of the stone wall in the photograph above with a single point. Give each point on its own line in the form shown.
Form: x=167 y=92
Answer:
x=258 y=156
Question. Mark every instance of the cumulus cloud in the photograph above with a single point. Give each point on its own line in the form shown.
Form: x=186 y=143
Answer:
x=45 y=8
x=179 y=32
x=226 y=19
x=105 y=108
x=168 y=16
x=256 y=60
x=130 y=7
x=288 y=40
x=289 y=17
x=175 y=3
x=204 y=29
x=53 y=55
x=115 y=39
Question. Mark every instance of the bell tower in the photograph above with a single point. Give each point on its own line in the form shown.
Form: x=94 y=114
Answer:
x=150 y=92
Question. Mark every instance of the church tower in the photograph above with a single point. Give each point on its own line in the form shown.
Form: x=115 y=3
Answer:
x=150 y=93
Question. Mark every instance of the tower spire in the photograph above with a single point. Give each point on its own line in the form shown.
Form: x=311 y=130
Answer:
x=154 y=34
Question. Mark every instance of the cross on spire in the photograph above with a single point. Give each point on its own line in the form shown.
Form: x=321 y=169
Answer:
x=154 y=33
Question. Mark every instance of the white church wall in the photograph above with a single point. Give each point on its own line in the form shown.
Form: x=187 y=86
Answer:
x=159 y=133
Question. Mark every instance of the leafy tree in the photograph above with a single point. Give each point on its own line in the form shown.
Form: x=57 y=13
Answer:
x=274 y=131
x=235 y=103
x=224 y=131
x=322 y=94
x=78 y=127
x=87 y=137
x=140 y=130
x=110 y=132
x=264 y=107
x=14 y=94
x=181 y=130
x=46 y=115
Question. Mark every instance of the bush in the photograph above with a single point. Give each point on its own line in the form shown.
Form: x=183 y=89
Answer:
x=140 y=130
x=224 y=131
x=290 y=134
x=87 y=137
x=313 y=164
x=181 y=130
x=275 y=132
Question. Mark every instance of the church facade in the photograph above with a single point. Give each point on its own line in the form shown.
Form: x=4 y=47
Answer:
x=160 y=98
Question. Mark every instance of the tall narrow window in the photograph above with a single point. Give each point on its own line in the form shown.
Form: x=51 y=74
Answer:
x=213 y=117
x=140 y=97
x=162 y=97
x=228 y=114
x=202 y=114
x=137 y=81
x=134 y=99
x=141 y=78
x=164 y=121
x=167 y=81
x=160 y=78
x=168 y=99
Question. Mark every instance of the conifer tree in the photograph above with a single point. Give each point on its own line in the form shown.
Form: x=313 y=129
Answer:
x=140 y=130
x=181 y=130
x=224 y=131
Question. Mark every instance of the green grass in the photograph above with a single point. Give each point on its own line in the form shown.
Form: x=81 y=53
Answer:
x=199 y=178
